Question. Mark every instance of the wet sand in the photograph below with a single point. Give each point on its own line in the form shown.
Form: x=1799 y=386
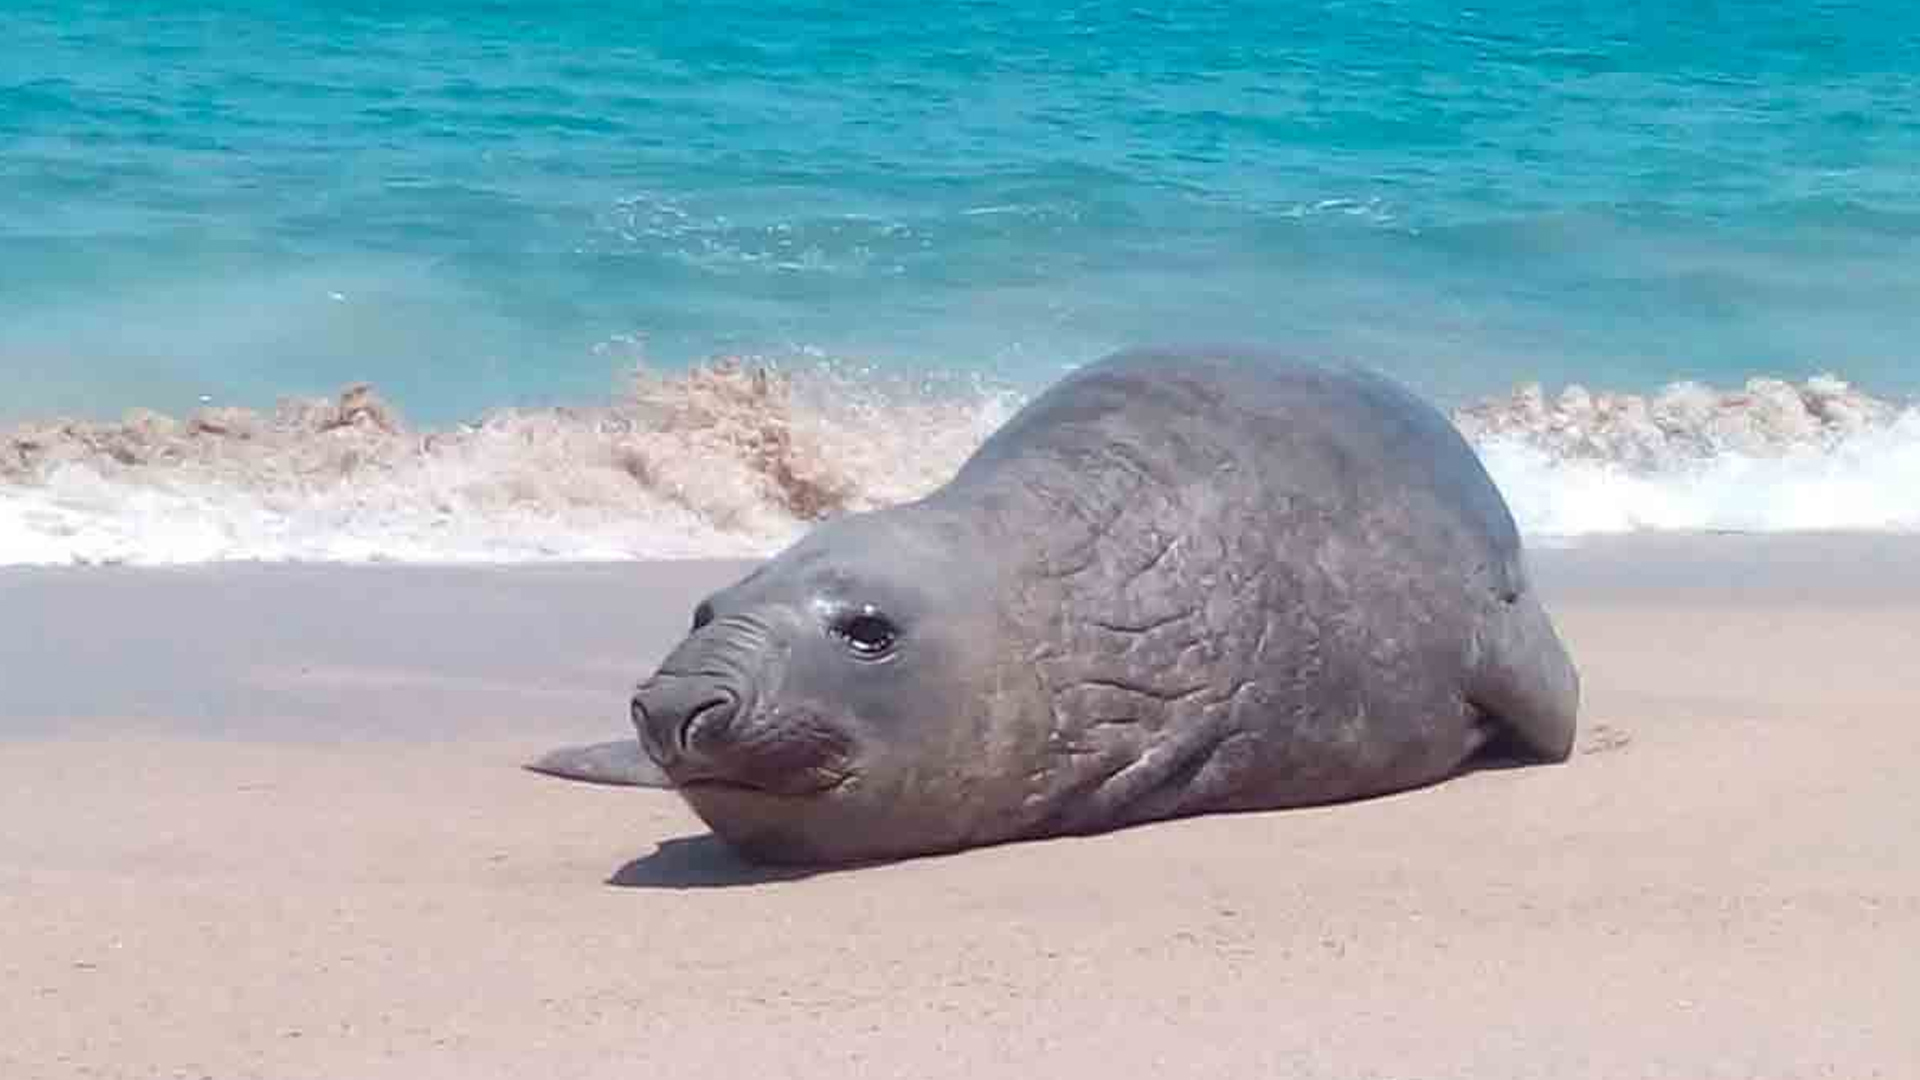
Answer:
x=268 y=822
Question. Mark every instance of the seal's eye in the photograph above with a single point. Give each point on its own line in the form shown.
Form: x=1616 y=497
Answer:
x=702 y=615
x=868 y=634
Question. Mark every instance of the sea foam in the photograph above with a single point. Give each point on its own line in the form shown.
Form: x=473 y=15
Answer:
x=728 y=460
x=1772 y=456
x=736 y=459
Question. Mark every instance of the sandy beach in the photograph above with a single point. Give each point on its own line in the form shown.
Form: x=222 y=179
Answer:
x=263 y=821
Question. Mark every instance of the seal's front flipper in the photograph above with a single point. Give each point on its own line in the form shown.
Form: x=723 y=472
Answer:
x=1526 y=680
x=620 y=762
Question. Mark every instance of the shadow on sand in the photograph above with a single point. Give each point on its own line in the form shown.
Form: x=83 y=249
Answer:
x=701 y=862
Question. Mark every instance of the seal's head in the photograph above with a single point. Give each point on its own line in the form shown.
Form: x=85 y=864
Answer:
x=829 y=707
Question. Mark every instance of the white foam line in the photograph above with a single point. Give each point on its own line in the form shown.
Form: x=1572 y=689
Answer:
x=735 y=466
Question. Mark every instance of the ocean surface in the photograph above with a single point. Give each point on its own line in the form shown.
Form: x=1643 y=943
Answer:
x=640 y=280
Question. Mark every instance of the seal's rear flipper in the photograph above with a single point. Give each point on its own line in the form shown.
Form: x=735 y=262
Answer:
x=1526 y=681
x=620 y=762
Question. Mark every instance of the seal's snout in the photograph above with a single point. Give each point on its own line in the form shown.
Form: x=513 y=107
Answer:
x=672 y=714
x=704 y=735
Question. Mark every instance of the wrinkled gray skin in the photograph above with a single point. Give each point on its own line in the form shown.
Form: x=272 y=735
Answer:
x=1177 y=582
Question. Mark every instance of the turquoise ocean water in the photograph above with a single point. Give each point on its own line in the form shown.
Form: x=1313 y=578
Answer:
x=487 y=205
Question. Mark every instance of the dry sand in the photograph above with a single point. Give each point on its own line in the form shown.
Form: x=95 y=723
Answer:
x=266 y=822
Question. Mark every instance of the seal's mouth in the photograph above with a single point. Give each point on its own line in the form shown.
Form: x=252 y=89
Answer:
x=809 y=784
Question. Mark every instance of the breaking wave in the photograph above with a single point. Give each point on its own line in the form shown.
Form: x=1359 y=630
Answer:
x=735 y=459
x=727 y=460
x=1772 y=456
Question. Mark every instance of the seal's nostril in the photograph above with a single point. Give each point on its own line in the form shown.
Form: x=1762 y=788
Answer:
x=714 y=710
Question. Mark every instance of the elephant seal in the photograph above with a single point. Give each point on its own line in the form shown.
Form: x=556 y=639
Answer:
x=1177 y=582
